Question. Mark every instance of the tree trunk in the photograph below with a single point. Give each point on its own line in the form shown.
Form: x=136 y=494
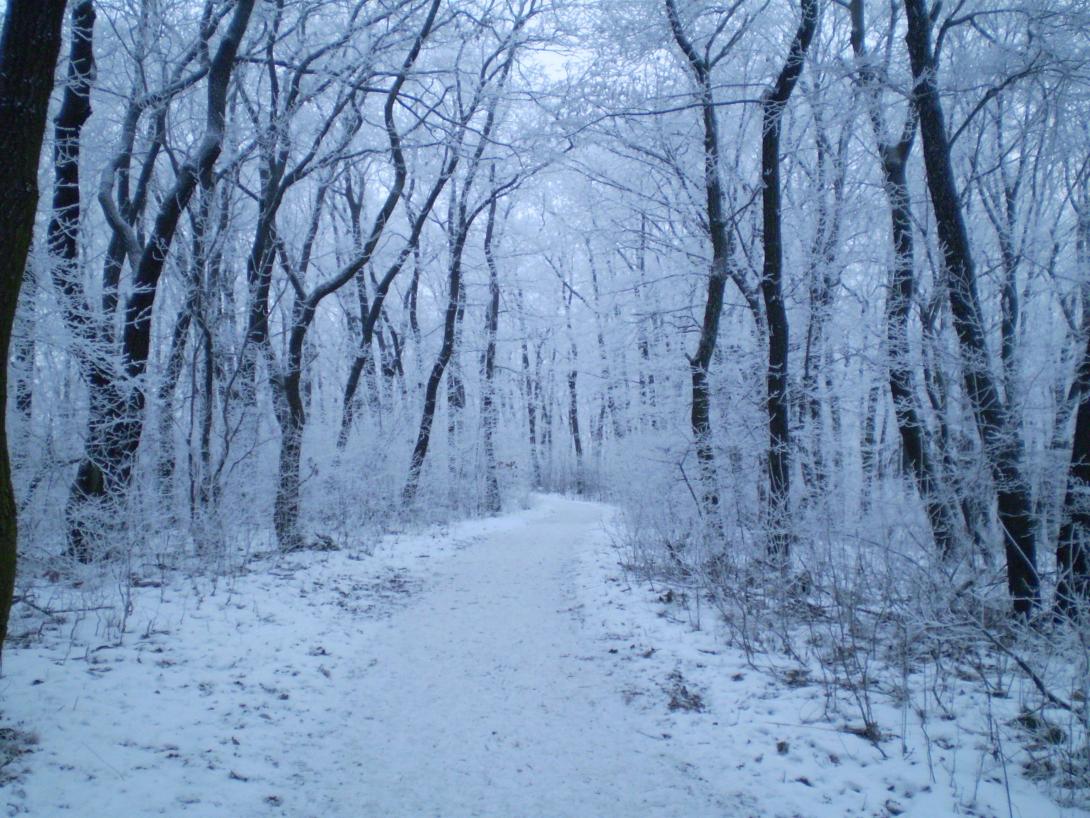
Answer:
x=1002 y=441
x=291 y=418
x=573 y=399
x=29 y=46
x=902 y=291
x=777 y=402
x=722 y=250
x=492 y=500
x=1072 y=563
x=431 y=392
x=901 y=379
x=530 y=394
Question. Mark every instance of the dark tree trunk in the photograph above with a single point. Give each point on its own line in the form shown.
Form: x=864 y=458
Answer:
x=902 y=292
x=1002 y=441
x=1072 y=565
x=777 y=401
x=29 y=46
x=492 y=501
x=530 y=394
x=446 y=350
x=869 y=445
x=456 y=405
x=823 y=283
x=62 y=242
x=573 y=422
x=609 y=404
x=173 y=373
x=573 y=399
x=292 y=419
x=722 y=250
x=902 y=385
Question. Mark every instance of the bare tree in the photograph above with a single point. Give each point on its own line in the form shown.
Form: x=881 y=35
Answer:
x=1002 y=440
x=773 y=103
x=893 y=154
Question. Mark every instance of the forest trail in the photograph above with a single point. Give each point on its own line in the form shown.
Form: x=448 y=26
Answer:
x=494 y=668
x=492 y=696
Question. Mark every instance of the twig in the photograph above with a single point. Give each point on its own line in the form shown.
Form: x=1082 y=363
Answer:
x=1051 y=697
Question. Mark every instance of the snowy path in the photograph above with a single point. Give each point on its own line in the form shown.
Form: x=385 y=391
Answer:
x=503 y=668
x=493 y=699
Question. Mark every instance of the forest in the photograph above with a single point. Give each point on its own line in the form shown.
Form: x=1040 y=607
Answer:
x=797 y=291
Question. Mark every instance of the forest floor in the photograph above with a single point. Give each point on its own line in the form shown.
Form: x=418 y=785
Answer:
x=501 y=667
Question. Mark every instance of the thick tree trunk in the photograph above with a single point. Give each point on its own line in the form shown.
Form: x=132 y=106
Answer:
x=291 y=418
x=29 y=46
x=777 y=401
x=1003 y=446
x=1073 y=545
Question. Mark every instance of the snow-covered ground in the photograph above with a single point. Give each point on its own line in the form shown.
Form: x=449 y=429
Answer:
x=503 y=667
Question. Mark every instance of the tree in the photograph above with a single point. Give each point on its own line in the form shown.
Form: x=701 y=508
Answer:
x=1002 y=441
x=720 y=233
x=287 y=381
x=29 y=45
x=893 y=155
x=773 y=103
x=491 y=79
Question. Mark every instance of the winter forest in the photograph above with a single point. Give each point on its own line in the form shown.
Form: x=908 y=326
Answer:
x=742 y=347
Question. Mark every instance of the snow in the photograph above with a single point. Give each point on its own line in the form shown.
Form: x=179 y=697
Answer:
x=496 y=667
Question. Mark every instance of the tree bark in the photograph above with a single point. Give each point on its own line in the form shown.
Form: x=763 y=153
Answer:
x=1072 y=562
x=431 y=391
x=1003 y=446
x=779 y=434
x=492 y=500
x=29 y=45
x=722 y=250
x=901 y=295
